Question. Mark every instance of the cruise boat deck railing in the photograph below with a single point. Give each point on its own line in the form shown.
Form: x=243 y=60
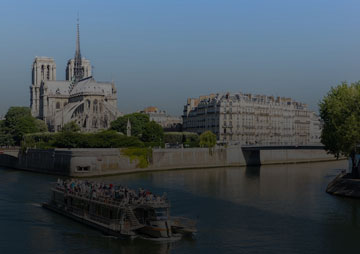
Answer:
x=112 y=202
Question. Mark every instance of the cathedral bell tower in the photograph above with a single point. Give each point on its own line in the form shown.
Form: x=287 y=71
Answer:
x=43 y=69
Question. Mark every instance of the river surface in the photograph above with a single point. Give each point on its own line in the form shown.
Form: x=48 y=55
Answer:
x=272 y=209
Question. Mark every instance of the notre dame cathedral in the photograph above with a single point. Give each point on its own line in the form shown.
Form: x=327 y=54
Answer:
x=91 y=104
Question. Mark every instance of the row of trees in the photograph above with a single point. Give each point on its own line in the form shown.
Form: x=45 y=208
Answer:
x=152 y=133
x=20 y=127
x=71 y=139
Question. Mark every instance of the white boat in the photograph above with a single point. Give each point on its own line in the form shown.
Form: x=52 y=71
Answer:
x=118 y=211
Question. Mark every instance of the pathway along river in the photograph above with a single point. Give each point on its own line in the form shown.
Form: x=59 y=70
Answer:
x=272 y=209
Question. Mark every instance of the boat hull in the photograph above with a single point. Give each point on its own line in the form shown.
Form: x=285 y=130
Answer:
x=105 y=230
x=157 y=229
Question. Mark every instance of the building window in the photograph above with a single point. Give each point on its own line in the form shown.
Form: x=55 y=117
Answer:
x=57 y=105
x=82 y=169
x=42 y=72
x=48 y=72
x=95 y=106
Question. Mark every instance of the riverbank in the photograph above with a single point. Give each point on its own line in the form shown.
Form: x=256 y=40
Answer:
x=112 y=161
x=344 y=185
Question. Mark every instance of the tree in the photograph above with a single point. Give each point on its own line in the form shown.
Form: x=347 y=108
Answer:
x=340 y=113
x=137 y=120
x=68 y=139
x=191 y=139
x=70 y=127
x=207 y=139
x=41 y=125
x=6 y=140
x=173 y=137
x=153 y=133
x=18 y=122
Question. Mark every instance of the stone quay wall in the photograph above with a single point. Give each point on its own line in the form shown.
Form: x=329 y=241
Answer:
x=109 y=161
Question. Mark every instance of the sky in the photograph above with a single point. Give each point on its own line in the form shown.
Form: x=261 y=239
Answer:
x=159 y=53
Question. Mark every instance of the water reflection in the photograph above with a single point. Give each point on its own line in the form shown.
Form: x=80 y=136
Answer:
x=252 y=172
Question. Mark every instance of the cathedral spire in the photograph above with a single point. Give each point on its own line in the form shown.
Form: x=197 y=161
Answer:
x=78 y=69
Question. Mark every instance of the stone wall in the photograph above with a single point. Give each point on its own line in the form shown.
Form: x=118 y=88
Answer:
x=96 y=162
x=92 y=162
x=52 y=161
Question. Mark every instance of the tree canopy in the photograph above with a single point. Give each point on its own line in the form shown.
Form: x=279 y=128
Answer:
x=188 y=139
x=153 y=132
x=207 y=139
x=148 y=131
x=71 y=127
x=137 y=120
x=18 y=122
x=340 y=113
x=70 y=139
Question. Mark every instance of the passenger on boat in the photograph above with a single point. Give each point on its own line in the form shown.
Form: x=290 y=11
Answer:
x=109 y=192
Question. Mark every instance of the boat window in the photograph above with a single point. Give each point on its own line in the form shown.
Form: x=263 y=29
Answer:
x=161 y=213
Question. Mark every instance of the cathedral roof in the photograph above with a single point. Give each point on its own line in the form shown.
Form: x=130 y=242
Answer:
x=90 y=86
x=57 y=87
x=86 y=86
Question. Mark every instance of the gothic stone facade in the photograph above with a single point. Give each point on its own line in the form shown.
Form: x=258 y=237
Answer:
x=91 y=104
x=252 y=119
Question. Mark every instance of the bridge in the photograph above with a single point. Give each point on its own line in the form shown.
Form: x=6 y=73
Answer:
x=281 y=147
x=255 y=155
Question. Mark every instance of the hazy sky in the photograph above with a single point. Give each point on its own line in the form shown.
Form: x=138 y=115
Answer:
x=162 y=52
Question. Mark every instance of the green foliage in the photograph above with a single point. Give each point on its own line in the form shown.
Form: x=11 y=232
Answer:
x=142 y=155
x=113 y=139
x=38 y=140
x=207 y=139
x=189 y=139
x=152 y=132
x=149 y=132
x=138 y=122
x=18 y=122
x=41 y=125
x=340 y=112
x=68 y=139
x=173 y=137
x=6 y=139
x=71 y=127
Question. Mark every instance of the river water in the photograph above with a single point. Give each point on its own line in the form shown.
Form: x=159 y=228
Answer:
x=272 y=209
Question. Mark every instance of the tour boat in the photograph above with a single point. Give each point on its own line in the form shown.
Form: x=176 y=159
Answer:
x=118 y=211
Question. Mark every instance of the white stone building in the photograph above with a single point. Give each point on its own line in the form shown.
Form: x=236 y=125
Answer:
x=252 y=119
x=161 y=117
x=91 y=104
